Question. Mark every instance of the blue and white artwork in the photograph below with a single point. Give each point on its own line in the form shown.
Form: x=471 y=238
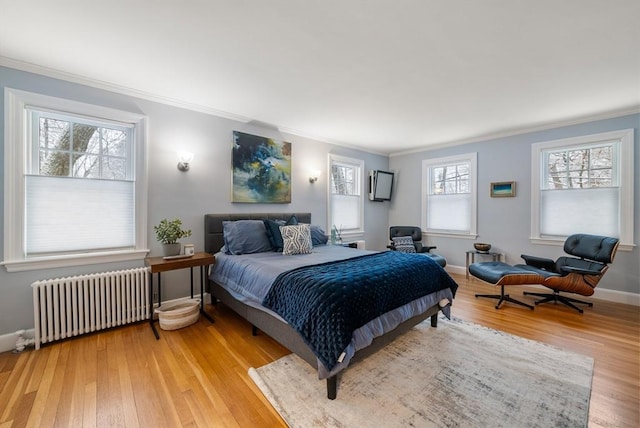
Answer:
x=261 y=170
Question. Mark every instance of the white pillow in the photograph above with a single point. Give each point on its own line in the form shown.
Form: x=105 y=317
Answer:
x=296 y=239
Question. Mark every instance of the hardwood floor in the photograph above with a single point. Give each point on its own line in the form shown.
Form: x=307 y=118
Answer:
x=197 y=376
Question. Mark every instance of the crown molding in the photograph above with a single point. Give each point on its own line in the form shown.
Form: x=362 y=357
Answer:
x=99 y=84
x=525 y=130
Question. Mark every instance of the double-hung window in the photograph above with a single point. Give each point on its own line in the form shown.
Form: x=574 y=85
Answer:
x=346 y=202
x=76 y=183
x=583 y=185
x=449 y=195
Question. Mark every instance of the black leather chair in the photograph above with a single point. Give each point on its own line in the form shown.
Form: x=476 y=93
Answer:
x=416 y=236
x=579 y=274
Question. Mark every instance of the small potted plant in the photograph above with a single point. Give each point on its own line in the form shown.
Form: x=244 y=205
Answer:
x=168 y=232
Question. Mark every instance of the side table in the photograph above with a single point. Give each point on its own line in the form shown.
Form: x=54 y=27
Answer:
x=471 y=254
x=159 y=265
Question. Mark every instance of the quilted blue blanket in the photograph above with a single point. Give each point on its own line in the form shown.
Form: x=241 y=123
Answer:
x=327 y=302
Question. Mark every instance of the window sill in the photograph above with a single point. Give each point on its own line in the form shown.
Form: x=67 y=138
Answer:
x=451 y=235
x=560 y=242
x=73 y=260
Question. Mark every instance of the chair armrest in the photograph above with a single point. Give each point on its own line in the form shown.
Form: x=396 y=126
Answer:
x=539 y=262
x=423 y=248
x=571 y=269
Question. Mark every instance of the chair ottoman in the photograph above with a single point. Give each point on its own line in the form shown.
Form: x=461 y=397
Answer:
x=499 y=273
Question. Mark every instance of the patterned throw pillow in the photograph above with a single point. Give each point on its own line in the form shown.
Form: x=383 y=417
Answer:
x=297 y=239
x=404 y=244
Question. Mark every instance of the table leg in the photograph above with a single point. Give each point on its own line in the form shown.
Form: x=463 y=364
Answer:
x=466 y=270
x=191 y=276
x=151 y=320
x=202 y=275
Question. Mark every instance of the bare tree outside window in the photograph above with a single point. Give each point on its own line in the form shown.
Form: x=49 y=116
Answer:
x=70 y=149
x=343 y=180
x=450 y=179
x=580 y=168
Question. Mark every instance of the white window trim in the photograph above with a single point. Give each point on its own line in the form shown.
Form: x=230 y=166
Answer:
x=15 y=162
x=427 y=164
x=351 y=234
x=626 y=137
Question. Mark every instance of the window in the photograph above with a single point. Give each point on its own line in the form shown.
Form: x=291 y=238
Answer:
x=76 y=183
x=449 y=195
x=583 y=184
x=346 y=201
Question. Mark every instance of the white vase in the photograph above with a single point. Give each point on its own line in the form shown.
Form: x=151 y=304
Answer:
x=171 y=249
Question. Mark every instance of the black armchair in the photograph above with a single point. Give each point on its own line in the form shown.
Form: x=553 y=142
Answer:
x=399 y=232
x=579 y=274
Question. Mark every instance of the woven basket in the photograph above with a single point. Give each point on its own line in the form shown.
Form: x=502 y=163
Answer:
x=173 y=316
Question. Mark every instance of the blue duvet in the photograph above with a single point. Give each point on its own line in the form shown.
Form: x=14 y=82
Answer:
x=325 y=303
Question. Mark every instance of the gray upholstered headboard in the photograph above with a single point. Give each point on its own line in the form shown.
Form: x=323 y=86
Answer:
x=213 y=225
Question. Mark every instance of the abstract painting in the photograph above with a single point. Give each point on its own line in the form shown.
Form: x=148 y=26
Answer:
x=261 y=170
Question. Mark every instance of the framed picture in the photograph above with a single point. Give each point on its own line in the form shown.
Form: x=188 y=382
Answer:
x=503 y=189
x=261 y=170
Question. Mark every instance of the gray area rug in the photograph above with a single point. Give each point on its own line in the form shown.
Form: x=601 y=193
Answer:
x=456 y=375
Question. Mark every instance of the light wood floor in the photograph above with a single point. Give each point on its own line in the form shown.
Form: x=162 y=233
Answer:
x=197 y=376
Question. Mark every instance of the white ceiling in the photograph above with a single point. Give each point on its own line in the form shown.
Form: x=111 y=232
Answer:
x=386 y=75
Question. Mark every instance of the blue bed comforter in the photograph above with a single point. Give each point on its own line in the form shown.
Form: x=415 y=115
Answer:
x=325 y=303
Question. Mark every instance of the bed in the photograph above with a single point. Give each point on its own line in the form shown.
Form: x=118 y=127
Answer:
x=255 y=284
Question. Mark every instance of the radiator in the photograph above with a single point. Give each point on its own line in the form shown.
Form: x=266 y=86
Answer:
x=67 y=307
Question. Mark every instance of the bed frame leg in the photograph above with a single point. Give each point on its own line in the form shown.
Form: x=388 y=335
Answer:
x=434 y=320
x=332 y=387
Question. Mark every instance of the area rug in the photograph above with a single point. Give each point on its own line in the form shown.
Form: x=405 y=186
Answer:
x=456 y=375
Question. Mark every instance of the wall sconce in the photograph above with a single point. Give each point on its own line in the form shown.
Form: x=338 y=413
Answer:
x=313 y=177
x=185 y=158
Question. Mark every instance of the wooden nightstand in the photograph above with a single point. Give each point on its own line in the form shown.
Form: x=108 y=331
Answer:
x=159 y=265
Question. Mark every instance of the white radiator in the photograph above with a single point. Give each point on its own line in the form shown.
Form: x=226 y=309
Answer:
x=67 y=307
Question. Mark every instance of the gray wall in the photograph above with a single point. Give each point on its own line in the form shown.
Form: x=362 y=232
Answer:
x=206 y=188
x=505 y=222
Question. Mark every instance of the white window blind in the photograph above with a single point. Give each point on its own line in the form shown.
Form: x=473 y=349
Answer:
x=571 y=211
x=449 y=212
x=345 y=210
x=66 y=214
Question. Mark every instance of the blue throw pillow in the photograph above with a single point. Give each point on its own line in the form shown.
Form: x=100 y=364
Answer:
x=245 y=237
x=273 y=231
x=318 y=236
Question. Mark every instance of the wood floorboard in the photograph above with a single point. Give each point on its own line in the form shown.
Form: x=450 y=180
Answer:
x=197 y=376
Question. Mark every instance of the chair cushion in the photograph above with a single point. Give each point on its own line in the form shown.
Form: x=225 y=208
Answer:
x=592 y=247
x=496 y=272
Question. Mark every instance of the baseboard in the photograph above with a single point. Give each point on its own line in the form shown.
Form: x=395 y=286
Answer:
x=8 y=341
x=600 y=293
x=617 y=296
